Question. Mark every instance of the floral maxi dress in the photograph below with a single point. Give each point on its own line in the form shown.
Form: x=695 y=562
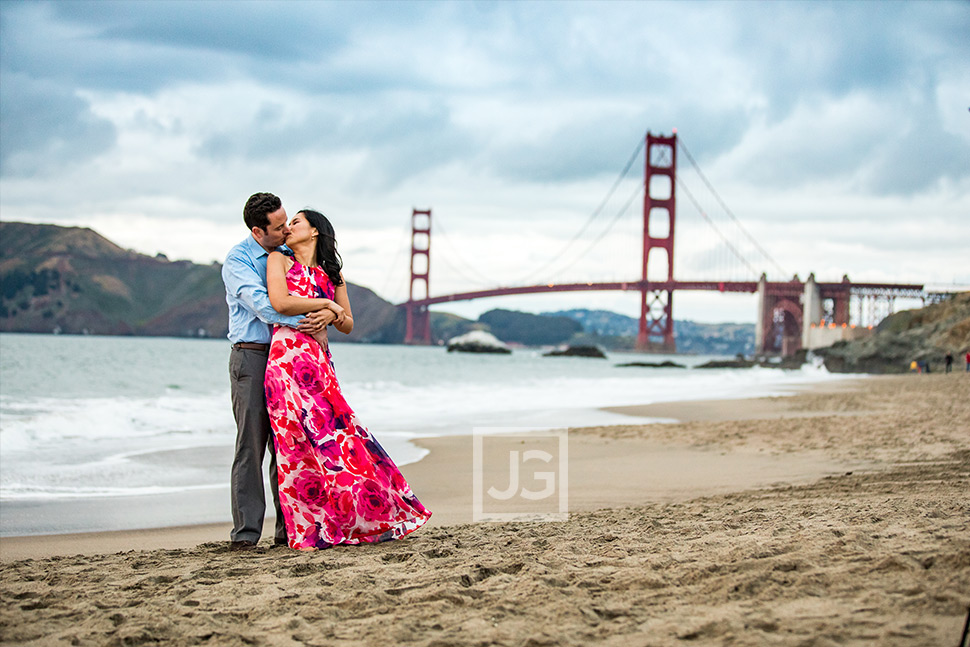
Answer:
x=337 y=484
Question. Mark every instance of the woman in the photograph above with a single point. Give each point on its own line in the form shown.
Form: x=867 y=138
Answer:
x=337 y=485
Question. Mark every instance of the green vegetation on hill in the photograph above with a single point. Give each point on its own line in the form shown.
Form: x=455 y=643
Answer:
x=618 y=332
x=529 y=329
x=73 y=280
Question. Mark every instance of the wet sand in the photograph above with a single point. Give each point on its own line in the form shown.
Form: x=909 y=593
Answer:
x=740 y=525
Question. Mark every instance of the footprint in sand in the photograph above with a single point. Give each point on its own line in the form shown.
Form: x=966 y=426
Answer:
x=437 y=553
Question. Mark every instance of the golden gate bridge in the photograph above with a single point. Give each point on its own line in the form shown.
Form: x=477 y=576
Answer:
x=792 y=314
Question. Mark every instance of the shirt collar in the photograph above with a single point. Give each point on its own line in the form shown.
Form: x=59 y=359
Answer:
x=257 y=251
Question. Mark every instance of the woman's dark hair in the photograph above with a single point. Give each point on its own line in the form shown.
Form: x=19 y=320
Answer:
x=258 y=208
x=327 y=255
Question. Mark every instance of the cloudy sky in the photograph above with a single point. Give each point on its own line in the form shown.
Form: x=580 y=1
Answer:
x=836 y=134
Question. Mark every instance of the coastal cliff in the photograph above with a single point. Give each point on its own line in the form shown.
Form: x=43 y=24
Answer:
x=926 y=334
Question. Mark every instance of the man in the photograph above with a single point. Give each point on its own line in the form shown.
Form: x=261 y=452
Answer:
x=250 y=319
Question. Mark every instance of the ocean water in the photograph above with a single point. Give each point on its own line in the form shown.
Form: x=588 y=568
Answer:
x=97 y=420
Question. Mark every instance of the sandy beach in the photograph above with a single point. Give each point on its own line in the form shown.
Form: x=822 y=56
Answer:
x=839 y=516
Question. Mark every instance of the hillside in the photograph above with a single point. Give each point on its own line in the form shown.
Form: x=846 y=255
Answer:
x=73 y=280
x=924 y=334
x=619 y=332
x=529 y=329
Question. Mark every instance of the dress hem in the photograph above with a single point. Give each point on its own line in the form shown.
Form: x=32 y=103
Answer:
x=365 y=539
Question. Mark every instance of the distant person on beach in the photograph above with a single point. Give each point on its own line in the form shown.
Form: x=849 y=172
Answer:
x=250 y=317
x=337 y=484
x=967 y=360
x=948 y=360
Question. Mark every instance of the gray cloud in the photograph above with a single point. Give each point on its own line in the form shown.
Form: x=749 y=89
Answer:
x=398 y=141
x=918 y=155
x=284 y=32
x=652 y=65
x=145 y=46
x=46 y=127
x=799 y=49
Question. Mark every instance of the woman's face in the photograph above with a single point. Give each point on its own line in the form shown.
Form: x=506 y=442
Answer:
x=300 y=230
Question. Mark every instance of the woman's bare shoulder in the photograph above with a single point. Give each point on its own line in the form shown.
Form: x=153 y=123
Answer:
x=279 y=259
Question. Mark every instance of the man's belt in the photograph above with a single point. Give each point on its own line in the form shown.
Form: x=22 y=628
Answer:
x=251 y=346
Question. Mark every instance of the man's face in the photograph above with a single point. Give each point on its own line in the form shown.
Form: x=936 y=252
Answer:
x=276 y=232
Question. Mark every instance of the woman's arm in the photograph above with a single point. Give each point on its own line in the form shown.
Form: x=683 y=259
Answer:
x=344 y=324
x=279 y=296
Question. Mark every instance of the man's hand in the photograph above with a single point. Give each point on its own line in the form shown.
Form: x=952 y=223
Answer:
x=322 y=338
x=314 y=322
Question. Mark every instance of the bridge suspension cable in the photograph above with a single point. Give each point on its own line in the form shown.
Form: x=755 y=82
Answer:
x=593 y=216
x=619 y=214
x=481 y=280
x=405 y=236
x=700 y=209
x=727 y=210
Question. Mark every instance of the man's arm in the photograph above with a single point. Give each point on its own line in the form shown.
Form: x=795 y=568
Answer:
x=243 y=282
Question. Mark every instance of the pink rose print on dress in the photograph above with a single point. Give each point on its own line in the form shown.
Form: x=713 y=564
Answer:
x=331 y=455
x=274 y=389
x=307 y=374
x=311 y=488
x=342 y=508
x=357 y=458
x=397 y=481
x=372 y=500
x=276 y=352
x=319 y=420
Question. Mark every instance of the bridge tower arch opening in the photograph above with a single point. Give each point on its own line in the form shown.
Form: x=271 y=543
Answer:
x=656 y=329
x=418 y=318
x=784 y=325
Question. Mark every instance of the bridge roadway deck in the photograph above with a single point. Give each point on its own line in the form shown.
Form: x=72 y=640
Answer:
x=793 y=288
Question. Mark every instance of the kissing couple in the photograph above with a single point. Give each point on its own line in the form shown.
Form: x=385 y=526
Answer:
x=332 y=482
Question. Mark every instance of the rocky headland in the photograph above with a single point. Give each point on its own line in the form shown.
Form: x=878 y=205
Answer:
x=923 y=335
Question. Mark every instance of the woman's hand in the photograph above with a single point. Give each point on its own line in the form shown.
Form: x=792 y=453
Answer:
x=316 y=321
x=339 y=312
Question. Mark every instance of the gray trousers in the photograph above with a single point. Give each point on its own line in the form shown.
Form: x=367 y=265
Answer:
x=247 y=369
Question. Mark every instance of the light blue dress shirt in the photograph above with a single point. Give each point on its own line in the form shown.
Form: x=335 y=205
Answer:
x=251 y=315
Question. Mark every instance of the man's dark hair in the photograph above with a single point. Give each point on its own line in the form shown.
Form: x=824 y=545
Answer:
x=258 y=207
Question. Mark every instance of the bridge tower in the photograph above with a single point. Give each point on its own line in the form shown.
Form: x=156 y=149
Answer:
x=418 y=327
x=656 y=330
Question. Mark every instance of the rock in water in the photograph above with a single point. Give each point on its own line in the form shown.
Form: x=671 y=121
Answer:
x=577 y=351
x=727 y=363
x=664 y=364
x=477 y=341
